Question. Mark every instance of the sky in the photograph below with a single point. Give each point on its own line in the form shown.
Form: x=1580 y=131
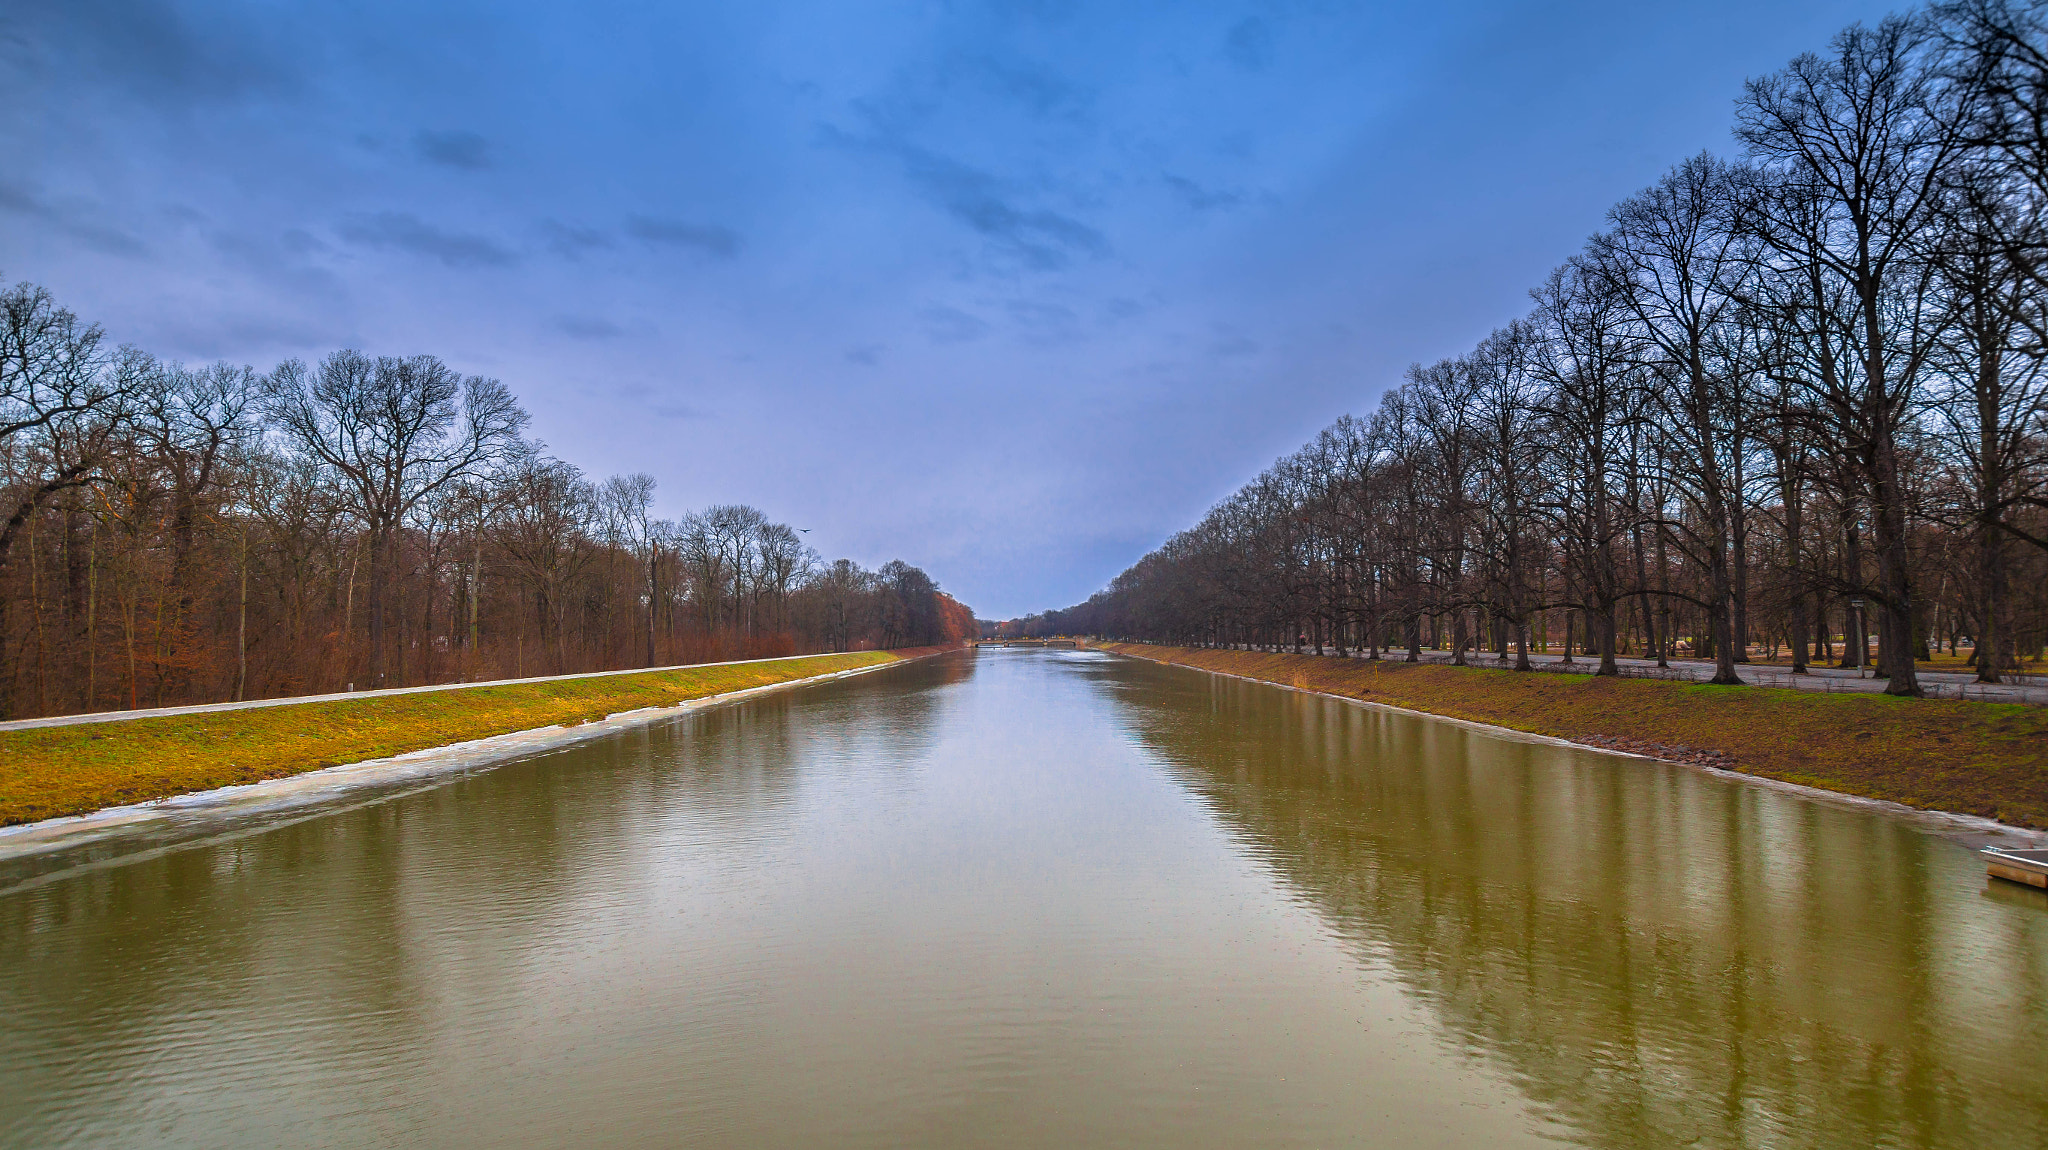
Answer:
x=1012 y=290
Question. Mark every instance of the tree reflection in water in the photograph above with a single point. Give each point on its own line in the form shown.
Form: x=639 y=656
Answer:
x=1661 y=957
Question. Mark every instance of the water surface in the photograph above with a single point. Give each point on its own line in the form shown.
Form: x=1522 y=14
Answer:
x=1029 y=898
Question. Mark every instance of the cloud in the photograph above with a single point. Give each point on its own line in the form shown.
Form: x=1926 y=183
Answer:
x=1043 y=93
x=158 y=52
x=992 y=207
x=1200 y=198
x=951 y=325
x=1041 y=239
x=1043 y=322
x=572 y=241
x=1233 y=345
x=1120 y=308
x=867 y=354
x=680 y=411
x=1036 y=11
x=283 y=262
x=236 y=333
x=710 y=239
x=589 y=327
x=1249 y=44
x=405 y=232
x=465 y=150
x=74 y=219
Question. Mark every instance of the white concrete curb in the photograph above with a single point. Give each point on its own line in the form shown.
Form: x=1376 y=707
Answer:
x=382 y=777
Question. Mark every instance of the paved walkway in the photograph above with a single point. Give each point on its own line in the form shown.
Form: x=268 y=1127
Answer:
x=2032 y=690
x=295 y=700
x=1938 y=684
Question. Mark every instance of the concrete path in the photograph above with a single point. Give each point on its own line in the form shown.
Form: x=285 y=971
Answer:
x=295 y=700
x=2032 y=689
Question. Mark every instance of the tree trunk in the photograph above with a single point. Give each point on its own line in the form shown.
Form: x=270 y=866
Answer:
x=380 y=574
x=1605 y=615
x=1789 y=493
x=1738 y=566
x=242 y=624
x=1888 y=508
x=653 y=596
x=1994 y=628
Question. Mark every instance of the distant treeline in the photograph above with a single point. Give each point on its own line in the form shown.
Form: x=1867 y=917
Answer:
x=180 y=535
x=1780 y=400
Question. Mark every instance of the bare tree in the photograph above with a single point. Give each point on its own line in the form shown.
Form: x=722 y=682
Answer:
x=1673 y=255
x=626 y=500
x=62 y=405
x=1853 y=143
x=392 y=432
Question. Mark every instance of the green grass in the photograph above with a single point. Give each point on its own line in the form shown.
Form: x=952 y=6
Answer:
x=50 y=771
x=1988 y=759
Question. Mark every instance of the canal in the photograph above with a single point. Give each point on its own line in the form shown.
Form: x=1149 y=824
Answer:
x=1033 y=898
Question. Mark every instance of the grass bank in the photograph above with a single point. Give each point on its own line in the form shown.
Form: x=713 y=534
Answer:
x=51 y=771
x=1987 y=759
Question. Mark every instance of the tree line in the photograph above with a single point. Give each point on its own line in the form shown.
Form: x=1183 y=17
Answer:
x=1791 y=401
x=177 y=535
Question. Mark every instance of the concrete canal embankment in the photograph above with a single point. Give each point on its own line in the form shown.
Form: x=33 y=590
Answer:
x=1984 y=760
x=85 y=764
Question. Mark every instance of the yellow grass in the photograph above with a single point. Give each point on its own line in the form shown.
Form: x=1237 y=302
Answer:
x=1988 y=759
x=51 y=771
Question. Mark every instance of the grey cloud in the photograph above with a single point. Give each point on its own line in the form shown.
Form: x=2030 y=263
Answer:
x=1036 y=237
x=680 y=411
x=1249 y=44
x=572 y=241
x=867 y=354
x=158 y=52
x=1228 y=341
x=1121 y=308
x=74 y=219
x=589 y=327
x=1044 y=322
x=465 y=150
x=1043 y=93
x=1036 y=11
x=280 y=261
x=238 y=333
x=710 y=239
x=1041 y=239
x=951 y=325
x=1200 y=198
x=403 y=231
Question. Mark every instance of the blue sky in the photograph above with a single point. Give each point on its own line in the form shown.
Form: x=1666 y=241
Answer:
x=1012 y=290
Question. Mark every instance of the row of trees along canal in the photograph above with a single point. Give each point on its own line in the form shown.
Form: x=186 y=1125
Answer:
x=1779 y=400
x=177 y=535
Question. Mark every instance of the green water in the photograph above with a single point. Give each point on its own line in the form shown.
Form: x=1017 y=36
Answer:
x=1029 y=898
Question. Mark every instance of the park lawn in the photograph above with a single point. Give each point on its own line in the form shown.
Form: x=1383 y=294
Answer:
x=1988 y=759
x=50 y=771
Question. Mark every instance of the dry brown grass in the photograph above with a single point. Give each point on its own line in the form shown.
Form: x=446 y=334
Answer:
x=51 y=771
x=1988 y=759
